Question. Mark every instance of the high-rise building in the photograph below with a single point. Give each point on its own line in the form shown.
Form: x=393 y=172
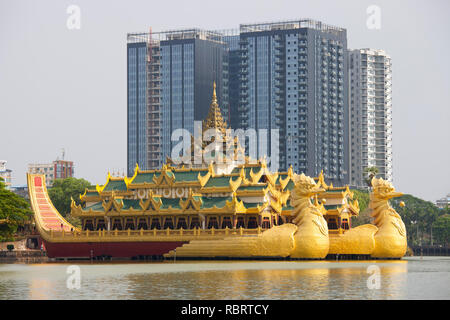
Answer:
x=232 y=77
x=371 y=114
x=137 y=105
x=294 y=78
x=170 y=78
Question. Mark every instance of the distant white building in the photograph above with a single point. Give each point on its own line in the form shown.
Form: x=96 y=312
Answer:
x=5 y=173
x=443 y=202
x=370 y=114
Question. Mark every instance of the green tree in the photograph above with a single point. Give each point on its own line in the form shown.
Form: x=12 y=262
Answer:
x=363 y=198
x=418 y=216
x=364 y=213
x=441 y=229
x=65 y=189
x=369 y=173
x=14 y=211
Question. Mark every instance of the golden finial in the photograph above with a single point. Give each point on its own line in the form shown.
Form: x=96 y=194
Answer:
x=214 y=118
x=214 y=98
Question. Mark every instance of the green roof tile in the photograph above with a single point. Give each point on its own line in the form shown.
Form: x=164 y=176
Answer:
x=187 y=176
x=252 y=204
x=331 y=206
x=290 y=185
x=218 y=182
x=129 y=203
x=115 y=185
x=143 y=177
x=259 y=187
x=95 y=207
x=91 y=193
x=219 y=202
x=166 y=202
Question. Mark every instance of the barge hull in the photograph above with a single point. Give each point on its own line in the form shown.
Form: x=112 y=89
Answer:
x=111 y=249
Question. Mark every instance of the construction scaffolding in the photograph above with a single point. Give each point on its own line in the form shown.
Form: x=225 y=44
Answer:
x=156 y=37
x=154 y=154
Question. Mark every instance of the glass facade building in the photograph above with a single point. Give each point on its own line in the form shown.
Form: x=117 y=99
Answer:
x=137 y=105
x=189 y=68
x=169 y=87
x=177 y=95
x=232 y=78
x=294 y=78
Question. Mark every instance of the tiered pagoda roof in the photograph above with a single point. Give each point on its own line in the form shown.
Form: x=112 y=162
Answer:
x=211 y=193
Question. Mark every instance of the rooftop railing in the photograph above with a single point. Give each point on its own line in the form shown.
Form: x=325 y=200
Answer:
x=291 y=24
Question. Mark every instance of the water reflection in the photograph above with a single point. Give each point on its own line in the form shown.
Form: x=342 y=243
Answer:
x=303 y=283
x=229 y=280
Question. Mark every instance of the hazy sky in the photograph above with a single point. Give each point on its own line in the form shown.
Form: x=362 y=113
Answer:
x=62 y=88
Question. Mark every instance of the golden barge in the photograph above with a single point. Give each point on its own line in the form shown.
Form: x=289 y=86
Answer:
x=218 y=210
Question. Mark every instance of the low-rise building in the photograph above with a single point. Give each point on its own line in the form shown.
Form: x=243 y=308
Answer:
x=21 y=190
x=5 y=173
x=58 y=169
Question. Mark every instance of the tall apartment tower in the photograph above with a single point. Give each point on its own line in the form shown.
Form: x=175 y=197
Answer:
x=371 y=114
x=137 y=103
x=170 y=79
x=233 y=66
x=294 y=78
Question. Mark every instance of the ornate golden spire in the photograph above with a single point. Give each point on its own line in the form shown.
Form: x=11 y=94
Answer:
x=214 y=98
x=214 y=120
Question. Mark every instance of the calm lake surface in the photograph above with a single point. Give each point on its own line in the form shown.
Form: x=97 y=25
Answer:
x=410 y=278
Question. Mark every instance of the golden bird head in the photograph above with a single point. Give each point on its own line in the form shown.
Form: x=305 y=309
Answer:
x=383 y=189
x=306 y=186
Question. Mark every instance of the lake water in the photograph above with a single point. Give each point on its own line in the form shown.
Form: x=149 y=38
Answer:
x=410 y=278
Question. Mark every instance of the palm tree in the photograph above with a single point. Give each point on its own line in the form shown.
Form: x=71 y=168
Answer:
x=370 y=173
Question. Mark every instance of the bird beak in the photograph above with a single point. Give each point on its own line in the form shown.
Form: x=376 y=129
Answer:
x=318 y=190
x=395 y=194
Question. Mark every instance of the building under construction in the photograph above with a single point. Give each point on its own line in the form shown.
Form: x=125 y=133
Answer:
x=170 y=78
